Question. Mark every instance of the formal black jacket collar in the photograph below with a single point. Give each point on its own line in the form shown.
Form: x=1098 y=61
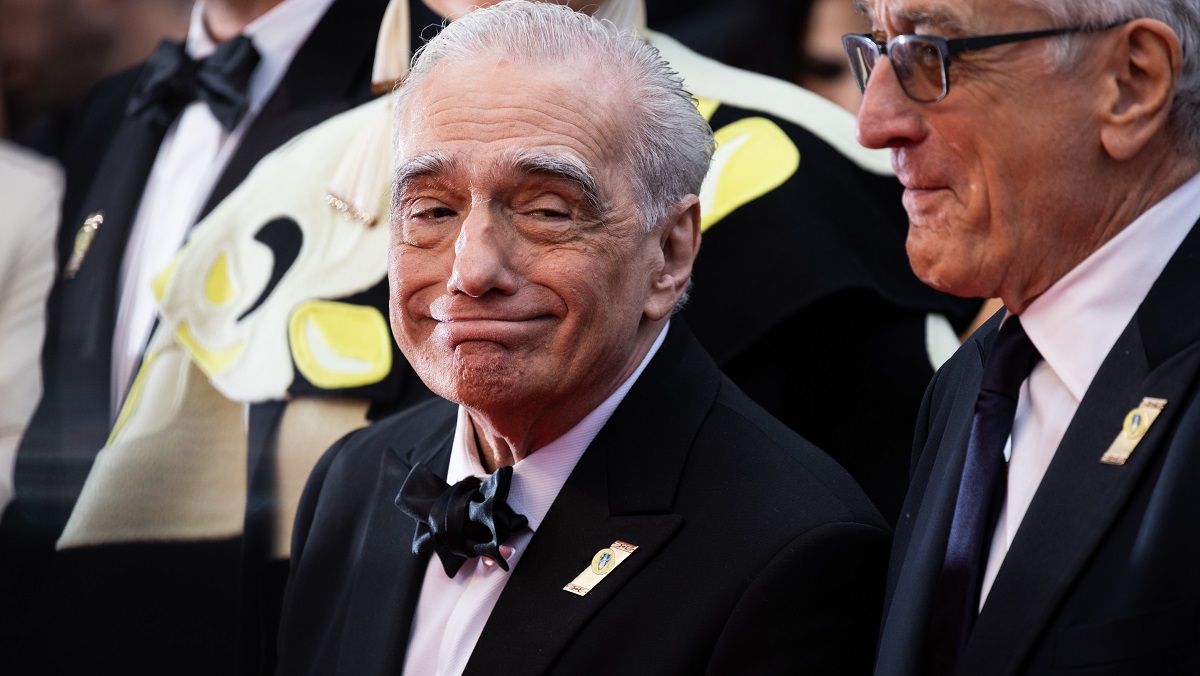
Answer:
x=1157 y=355
x=622 y=489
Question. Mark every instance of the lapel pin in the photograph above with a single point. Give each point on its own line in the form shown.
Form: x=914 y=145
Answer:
x=604 y=562
x=1137 y=422
x=83 y=241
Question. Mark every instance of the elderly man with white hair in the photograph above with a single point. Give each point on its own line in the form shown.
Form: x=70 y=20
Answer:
x=595 y=495
x=1049 y=153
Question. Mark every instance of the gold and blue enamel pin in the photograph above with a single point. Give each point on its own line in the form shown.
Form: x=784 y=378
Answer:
x=604 y=562
x=83 y=242
x=1137 y=422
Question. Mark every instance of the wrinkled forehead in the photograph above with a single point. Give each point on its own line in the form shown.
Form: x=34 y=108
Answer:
x=935 y=17
x=496 y=102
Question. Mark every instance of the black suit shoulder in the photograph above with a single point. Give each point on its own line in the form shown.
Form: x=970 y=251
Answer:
x=817 y=485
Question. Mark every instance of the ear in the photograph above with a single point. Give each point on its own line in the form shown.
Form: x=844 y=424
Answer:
x=1144 y=66
x=679 y=242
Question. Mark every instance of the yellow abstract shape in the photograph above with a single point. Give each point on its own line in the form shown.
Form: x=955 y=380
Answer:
x=754 y=156
x=218 y=288
x=131 y=400
x=339 y=345
x=211 y=362
x=158 y=285
x=707 y=107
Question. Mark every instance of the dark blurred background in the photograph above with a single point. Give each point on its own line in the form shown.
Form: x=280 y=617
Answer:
x=53 y=51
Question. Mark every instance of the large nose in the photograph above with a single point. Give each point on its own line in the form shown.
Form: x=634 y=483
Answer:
x=887 y=118
x=483 y=254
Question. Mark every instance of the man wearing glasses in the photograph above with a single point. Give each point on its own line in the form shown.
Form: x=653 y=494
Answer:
x=1049 y=152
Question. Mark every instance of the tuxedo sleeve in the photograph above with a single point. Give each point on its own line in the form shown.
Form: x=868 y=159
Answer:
x=813 y=609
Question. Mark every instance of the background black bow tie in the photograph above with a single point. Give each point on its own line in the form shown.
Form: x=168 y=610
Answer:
x=171 y=80
x=468 y=519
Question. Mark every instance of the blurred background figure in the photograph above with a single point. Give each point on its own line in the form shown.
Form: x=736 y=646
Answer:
x=795 y=40
x=53 y=51
x=151 y=150
x=30 y=188
x=821 y=65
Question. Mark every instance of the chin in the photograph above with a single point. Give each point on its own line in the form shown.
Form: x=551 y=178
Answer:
x=947 y=278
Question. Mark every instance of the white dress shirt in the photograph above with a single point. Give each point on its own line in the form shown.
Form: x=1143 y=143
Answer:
x=1074 y=325
x=451 y=612
x=192 y=156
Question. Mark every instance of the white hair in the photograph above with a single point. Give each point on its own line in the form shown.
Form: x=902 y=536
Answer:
x=1183 y=16
x=669 y=144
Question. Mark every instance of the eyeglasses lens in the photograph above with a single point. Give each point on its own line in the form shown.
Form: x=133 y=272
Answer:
x=862 y=53
x=919 y=66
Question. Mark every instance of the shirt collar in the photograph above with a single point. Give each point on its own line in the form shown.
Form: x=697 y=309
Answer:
x=277 y=35
x=539 y=476
x=1104 y=291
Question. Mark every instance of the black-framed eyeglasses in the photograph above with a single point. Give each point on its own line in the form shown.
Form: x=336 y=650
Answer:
x=922 y=62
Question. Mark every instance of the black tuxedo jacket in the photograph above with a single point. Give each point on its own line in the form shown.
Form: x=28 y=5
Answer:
x=756 y=552
x=1102 y=575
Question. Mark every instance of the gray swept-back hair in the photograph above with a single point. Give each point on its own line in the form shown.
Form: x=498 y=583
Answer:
x=668 y=142
x=1183 y=16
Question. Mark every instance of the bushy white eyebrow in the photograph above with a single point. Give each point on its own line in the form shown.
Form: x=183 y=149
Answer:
x=566 y=167
x=431 y=163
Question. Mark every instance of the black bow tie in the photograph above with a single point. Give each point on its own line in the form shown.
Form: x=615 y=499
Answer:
x=468 y=519
x=170 y=80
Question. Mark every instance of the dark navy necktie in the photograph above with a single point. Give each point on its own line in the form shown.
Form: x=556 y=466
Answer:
x=1009 y=362
x=469 y=519
x=171 y=80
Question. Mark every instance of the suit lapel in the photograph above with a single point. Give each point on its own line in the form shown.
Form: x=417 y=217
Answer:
x=1079 y=498
x=902 y=644
x=622 y=489
x=535 y=619
x=89 y=299
x=388 y=581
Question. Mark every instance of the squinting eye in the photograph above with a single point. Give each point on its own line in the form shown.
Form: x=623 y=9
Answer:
x=432 y=213
x=549 y=213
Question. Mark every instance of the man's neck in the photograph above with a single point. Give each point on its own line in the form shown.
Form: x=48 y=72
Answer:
x=225 y=19
x=1127 y=195
x=504 y=438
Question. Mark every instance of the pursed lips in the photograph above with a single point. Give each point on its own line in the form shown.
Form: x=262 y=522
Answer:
x=459 y=322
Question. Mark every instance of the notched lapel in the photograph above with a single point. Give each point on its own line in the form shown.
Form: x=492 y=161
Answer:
x=388 y=578
x=622 y=489
x=535 y=618
x=902 y=643
x=1077 y=502
x=89 y=297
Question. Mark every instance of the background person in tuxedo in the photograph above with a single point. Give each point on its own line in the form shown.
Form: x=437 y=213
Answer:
x=1051 y=523
x=545 y=224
